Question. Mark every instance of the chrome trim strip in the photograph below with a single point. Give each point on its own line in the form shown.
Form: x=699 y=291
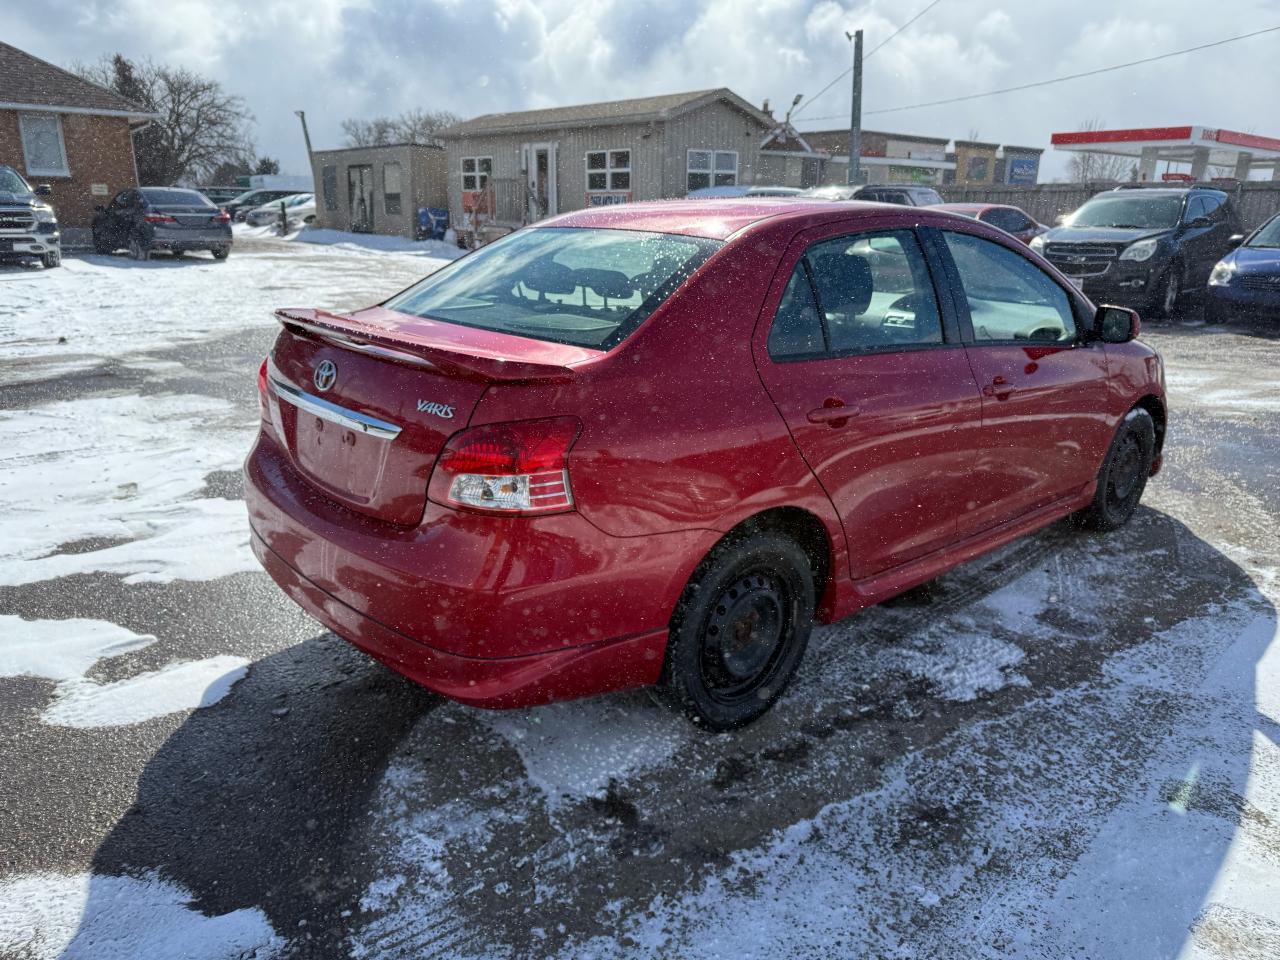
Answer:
x=325 y=410
x=362 y=346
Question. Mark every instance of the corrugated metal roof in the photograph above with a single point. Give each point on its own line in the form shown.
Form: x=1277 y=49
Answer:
x=596 y=114
x=28 y=80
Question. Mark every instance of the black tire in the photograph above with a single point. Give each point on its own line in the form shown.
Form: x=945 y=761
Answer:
x=139 y=249
x=1124 y=473
x=52 y=259
x=100 y=245
x=1166 y=296
x=221 y=253
x=739 y=631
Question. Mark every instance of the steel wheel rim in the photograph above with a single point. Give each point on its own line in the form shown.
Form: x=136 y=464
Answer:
x=1170 y=294
x=745 y=637
x=1124 y=473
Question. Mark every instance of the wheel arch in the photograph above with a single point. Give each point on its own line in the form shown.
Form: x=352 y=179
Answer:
x=1159 y=416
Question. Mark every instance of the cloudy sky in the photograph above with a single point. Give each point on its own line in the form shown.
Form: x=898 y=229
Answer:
x=342 y=58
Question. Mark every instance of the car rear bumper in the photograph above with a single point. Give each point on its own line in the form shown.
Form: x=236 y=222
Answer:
x=490 y=611
x=191 y=239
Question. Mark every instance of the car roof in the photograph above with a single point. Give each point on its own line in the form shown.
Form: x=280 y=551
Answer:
x=720 y=219
x=976 y=207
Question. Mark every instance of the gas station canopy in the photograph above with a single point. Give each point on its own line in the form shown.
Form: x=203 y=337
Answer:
x=1201 y=147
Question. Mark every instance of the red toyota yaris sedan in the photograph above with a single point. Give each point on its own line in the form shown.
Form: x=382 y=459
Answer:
x=652 y=444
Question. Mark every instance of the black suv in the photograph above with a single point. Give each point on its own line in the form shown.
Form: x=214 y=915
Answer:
x=1144 y=247
x=904 y=194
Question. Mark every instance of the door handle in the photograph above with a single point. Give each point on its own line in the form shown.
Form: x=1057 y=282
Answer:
x=832 y=411
x=993 y=389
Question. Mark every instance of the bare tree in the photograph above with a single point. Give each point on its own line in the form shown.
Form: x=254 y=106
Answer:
x=412 y=126
x=199 y=128
x=1088 y=167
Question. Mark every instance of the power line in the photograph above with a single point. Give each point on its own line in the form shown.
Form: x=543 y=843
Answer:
x=1072 y=76
x=848 y=71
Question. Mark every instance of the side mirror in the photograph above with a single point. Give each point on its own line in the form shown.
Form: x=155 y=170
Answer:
x=1236 y=239
x=1197 y=222
x=44 y=190
x=1116 y=324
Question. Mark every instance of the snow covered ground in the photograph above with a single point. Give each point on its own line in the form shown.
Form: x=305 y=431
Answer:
x=1068 y=748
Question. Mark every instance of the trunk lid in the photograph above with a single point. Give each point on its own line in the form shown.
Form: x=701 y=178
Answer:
x=187 y=216
x=363 y=403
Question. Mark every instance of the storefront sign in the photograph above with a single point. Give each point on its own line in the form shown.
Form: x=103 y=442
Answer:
x=608 y=199
x=1023 y=170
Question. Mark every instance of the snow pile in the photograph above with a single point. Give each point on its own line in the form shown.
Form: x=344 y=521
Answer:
x=49 y=916
x=436 y=249
x=61 y=649
x=81 y=702
x=126 y=471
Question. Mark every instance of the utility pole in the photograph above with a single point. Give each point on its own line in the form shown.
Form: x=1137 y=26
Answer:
x=855 y=111
x=302 y=115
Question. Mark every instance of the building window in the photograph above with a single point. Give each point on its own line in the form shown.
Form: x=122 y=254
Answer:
x=329 y=186
x=391 y=187
x=476 y=172
x=712 y=168
x=608 y=171
x=46 y=154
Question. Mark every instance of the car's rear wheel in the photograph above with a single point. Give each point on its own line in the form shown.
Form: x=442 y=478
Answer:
x=739 y=631
x=221 y=253
x=1124 y=473
x=138 y=249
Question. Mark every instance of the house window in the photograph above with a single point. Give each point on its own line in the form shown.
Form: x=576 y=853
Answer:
x=391 y=187
x=46 y=154
x=476 y=172
x=708 y=168
x=329 y=185
x=608 y=171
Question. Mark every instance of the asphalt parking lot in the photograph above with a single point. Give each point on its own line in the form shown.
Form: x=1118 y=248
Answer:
x=1068 y=748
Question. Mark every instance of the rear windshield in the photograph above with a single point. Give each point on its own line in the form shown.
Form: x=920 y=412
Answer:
x=926 y=197
x=586 y=287
x=175 y=198
x=1129 y=212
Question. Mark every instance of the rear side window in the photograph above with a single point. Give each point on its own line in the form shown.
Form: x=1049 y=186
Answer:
x=858 y=294
x=588 y=287
x=1009 y=297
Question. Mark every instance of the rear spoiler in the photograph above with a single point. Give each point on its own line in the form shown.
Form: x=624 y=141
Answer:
x=418 y=350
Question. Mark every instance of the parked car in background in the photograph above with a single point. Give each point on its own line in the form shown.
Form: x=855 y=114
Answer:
x=903 y=194
x=757 y=190
x=1246 y=282
x=299 y=208
x=434 y=478
x=1144 y=247
x=28 y=225
x=221 y=195
x=1012 y=220
x=146 y=219
x=242 y=204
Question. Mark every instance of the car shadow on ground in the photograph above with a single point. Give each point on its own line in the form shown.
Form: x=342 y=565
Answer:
x=322 y=777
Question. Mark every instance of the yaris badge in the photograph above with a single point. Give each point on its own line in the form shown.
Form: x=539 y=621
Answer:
x=325 y=374
x=436 y=409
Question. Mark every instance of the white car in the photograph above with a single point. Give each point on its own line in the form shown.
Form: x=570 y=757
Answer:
x=299 y=208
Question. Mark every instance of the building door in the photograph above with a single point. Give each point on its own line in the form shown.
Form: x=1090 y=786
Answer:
x=540 y=169
x=360 y=197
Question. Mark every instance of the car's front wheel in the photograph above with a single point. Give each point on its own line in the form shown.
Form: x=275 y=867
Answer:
x=101 y=245
x=139 y=249
x=1167 y=293
x=1124 y=473
x=739 y=630
x=52 y=259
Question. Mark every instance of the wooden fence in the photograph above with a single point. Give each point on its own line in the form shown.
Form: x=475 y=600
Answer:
x=1256 y=200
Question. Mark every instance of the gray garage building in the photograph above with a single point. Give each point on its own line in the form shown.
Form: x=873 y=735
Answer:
x=378 y=189
x=519 y=167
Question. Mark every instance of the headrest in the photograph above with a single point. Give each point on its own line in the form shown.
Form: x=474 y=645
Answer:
x=844 y=283
x=547 y=276
x=613 y=284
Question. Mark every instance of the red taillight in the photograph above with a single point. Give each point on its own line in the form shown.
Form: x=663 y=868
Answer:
x=262 y=378
x=159 y=218
x=264 y=404
x=220 y=217
x=511 y=468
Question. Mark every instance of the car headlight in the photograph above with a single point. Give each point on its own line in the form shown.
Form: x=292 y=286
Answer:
x=1140 y=251
x=45 y=215
x=1037 y=244
x=1222 y=272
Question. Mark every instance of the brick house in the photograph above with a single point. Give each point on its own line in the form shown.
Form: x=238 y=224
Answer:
x=59 y=129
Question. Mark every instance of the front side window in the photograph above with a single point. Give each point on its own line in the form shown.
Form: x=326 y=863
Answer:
x=1009 y=297
x=476 y=172
x=608 y=171
x=42 y=146
x=587 y=287
x=866 y=293
x=391 y=187
x=708 y=168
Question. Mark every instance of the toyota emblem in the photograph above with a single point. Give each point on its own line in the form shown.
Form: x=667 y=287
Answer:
x=325 y=374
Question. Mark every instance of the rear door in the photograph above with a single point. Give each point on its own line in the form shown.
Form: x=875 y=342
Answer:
x=1044 y=431
x=866 y=367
